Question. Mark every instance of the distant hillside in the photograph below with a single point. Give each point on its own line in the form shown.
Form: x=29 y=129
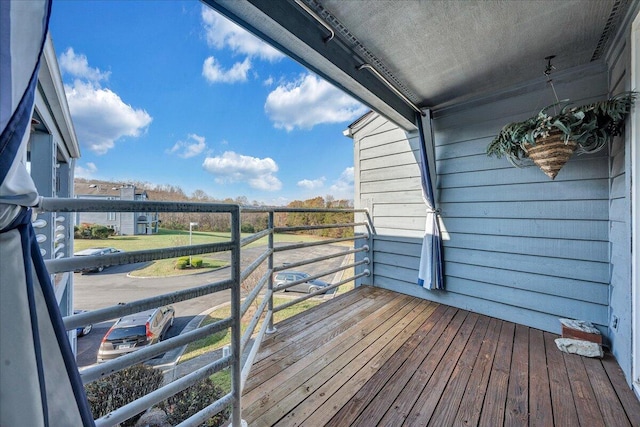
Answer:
x=251 y=222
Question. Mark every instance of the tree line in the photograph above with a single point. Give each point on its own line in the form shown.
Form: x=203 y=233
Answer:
x=251 y=222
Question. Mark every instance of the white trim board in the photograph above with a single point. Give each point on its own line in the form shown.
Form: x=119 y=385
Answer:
x=635 y=209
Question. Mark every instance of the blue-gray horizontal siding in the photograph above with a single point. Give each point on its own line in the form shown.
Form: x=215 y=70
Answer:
x=516 y=245
x=620 y=218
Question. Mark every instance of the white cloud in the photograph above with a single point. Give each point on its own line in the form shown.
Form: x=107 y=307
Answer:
x=310 y=101
x=194 y=145
x=312 y=184
x=213 y=72
x=221 y=33
x=78 y=66
x=234 y=167
x=268 y=82
x=87 y=171
x=100 y=116
x=342 y=188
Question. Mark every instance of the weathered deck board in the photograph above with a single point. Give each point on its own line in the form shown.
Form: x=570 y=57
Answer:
x=540 y=412
x=286 y=353
x=496 y=395
x=354 y=406
x=563 y=414
x=517 y=410
x=471 y=404
x=376 y=410
x=382 y=358
x=445 y=412
x=431 y=394
x=586 y=405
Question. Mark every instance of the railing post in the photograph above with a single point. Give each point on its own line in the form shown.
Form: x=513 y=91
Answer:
x=270 y=329
x=369 y=246
x=236 y=350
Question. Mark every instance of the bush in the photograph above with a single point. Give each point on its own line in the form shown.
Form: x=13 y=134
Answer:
x=107 y=394
x=82 y=231
x=100 y=231
x=196 y=263
x=193 y=399
x=92 y=231
x=182 y=263
x=247 y=228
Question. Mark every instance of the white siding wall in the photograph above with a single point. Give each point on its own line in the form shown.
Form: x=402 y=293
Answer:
x=518 y=246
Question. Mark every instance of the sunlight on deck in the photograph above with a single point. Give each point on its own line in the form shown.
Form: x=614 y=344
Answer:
x=375 y=357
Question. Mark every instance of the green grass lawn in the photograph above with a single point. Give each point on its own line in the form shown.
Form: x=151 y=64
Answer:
x=166 y=267
x=168 y=238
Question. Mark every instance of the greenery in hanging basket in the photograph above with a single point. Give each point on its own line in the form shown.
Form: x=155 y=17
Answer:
x=590 y=126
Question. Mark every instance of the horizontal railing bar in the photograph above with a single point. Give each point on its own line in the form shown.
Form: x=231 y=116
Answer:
x=248 y=363
x=115 y=311
x=48 y=204
x=316 y=276
x=316 y=227
x=199 y=418
x=254 y=321
x=267 y=209
x=122 y=258
x=320 y=243
x=318 y=292
x=98 y=371
x=303 y=298
x=248 y=300
x=257 y=236
x=318 y=259
x=237 y=277
x=255 y=264
x=137 y=406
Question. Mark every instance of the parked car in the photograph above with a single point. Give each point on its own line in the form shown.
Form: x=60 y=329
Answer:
x=308 y=286
x=130 y=333
x=95 y=252
x=82 y=330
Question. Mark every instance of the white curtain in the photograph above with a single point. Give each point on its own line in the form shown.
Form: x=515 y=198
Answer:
x=39 y=380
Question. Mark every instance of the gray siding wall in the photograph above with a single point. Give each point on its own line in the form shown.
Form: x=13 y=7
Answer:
x=517 y=245
x=620 y=328
x=127 y=220
x=101 y=218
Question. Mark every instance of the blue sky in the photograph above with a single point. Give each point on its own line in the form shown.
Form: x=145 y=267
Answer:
x=170 y=92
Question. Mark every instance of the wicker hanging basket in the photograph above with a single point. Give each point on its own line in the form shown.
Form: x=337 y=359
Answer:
x=551 y=153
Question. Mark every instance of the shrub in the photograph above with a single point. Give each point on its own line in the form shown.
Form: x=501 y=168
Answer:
x=181 y=263
x=82 y=231
x=196 y=262
x=247 y=228
x=107 y=394
x=100 y=231
x=92 y=231
x=193 y=399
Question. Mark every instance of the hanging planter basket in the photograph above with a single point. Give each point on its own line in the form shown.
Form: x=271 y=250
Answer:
x=551 y=140
x=550 y=153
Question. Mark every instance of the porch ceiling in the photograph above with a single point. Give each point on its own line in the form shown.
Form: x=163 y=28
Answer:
x=434 y=52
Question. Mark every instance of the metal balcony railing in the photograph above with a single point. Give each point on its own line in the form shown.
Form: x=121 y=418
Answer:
x=263 y=292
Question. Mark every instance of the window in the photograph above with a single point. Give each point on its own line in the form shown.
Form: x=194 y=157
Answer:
x=111 y=216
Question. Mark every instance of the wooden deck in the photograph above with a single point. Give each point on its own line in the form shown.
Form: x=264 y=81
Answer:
x=373 y=357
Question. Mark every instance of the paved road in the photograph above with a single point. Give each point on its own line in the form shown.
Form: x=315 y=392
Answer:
x=113 y=286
